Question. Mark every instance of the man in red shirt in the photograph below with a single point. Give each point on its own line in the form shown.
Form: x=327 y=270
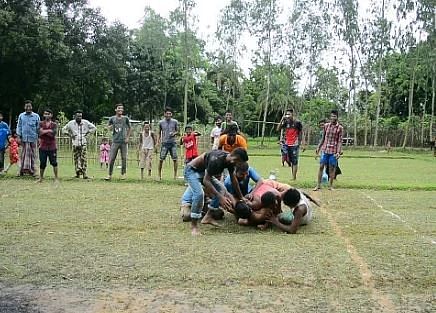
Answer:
x=331 y=148
x=292 y=138
x=189 y=141
x=47 y=144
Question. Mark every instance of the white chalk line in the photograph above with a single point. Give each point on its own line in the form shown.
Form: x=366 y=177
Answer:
x=399 y=218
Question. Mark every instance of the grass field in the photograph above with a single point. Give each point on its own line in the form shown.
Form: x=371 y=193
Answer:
x=95 y=246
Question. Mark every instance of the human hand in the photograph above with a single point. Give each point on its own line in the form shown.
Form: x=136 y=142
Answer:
x=225 y=203
x=337 y=155
x=126 y=140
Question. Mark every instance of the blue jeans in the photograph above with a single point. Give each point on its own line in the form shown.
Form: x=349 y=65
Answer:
x=194 y=194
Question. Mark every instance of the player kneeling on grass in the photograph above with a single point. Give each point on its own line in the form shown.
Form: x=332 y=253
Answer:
x=202 y=170
x=300 y=213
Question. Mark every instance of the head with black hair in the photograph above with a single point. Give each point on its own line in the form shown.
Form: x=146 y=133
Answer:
x=28 y=106
x=291 y=197
x=241 y=171
x=119 y=109
x=218 y=121
x=239 y=155
x=168 y=113
x=229 y=116
x=242 y=210
x=334 y=116
x=48 y=114
x=268 y=200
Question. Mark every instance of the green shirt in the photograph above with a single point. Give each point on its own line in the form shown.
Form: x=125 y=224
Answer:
x=120 y=128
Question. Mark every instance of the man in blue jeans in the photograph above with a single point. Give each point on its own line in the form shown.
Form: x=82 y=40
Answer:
x=202 y=170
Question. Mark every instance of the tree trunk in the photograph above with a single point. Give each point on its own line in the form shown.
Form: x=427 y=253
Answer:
x=353 y=86
x=185 y=98
x=411 y=90
x=380 y=54
x=268 y=81
x=433 y=86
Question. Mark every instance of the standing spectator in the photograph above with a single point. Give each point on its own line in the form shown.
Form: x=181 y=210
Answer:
x=13 y=152
x=120 y=126
x=228 y=122
x=231 y=140
x=78 y=129
x=147 y=144
x=216 y=133
x=4 y=134
x=293 y=134
x=168 y=130
x=47 y=144
x=189 y=141
x=27 y=131
x=105 y=148
x=331 y=148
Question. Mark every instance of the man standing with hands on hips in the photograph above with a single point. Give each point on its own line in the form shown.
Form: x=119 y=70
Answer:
x=292 y=137
x=168 y=130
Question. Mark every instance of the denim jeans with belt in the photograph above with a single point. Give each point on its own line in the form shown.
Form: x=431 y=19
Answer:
x=194 y=194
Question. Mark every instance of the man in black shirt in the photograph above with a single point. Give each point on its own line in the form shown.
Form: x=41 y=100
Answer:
x=202 y=170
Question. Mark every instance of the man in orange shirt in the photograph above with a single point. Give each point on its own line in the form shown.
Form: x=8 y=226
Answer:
x=232 y=140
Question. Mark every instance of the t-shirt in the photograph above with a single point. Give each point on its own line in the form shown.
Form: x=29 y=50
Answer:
x=190 y=144
x=4 y=133
x=244 y=184
x=147 y=141
x=292 y=130
x=215 y=162
x=240 y=142
x=264 y=188
x=308 y=216
x=48 y=141
x=166 y=127
x=226 y=125
x=215 y=134
x=120 y=128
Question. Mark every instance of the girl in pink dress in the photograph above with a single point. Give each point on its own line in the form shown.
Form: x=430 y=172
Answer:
x=104 y=152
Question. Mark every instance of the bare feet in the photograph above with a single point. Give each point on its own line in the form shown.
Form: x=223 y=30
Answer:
x=208 y=219
x=316 y=188
x=108 y=178
x=195 y=231
x=243 y=221
x=331 y=188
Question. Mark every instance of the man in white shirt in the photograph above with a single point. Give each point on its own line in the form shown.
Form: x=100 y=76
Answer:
x=78 y=129
x=216 y=133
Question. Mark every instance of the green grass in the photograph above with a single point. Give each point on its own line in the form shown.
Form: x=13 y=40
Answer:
x=122 y=244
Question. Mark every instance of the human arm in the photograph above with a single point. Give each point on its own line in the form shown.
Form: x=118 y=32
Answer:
x=196 y=134
x=225 y=202
x=242 y=143
x=235 y=185
x=280 y=124
x=321 y=142
x=254 y=176
x=222 y=142
x=298 y=213
x=129 y=130
x=91 y=128
x=340 y=135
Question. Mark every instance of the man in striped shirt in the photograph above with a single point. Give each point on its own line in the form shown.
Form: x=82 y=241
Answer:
x=331 y=148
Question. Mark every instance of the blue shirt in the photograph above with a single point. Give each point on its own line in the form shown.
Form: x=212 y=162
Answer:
x=244 y=184
x=28 y=126
x=4 y=133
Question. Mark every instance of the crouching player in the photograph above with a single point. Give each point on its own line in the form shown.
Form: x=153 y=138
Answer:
x=300 y=213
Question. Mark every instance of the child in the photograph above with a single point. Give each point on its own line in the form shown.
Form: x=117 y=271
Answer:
x=104 y=152
x=13 y=152
x=147 y=143
x=189 y=141
x=47 y=144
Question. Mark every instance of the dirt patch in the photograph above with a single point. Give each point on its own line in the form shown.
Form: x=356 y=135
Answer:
x=29 y=299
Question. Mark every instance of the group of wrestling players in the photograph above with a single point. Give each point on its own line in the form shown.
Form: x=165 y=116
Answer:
x=260 y=206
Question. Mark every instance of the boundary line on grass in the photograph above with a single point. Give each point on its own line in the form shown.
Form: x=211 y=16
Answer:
x=382 y=299
x=399 y=218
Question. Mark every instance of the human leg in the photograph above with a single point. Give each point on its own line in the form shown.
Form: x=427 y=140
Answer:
x=123 y=148
x=52 y=157
x=173 y=152
x=43 y=155
x=293 y=160
x=162 y=156
x=2 y=159
x=193 y=179
x=112 y=157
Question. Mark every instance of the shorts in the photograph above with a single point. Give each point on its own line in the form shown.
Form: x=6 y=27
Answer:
x=168 y=147
x=145 y=158
x=51 y=155
x=292 y=153
x=328 y=159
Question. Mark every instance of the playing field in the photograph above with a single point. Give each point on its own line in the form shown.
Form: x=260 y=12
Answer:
x=96 y=246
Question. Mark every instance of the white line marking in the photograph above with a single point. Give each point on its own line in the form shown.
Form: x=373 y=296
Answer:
x=399 y=218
